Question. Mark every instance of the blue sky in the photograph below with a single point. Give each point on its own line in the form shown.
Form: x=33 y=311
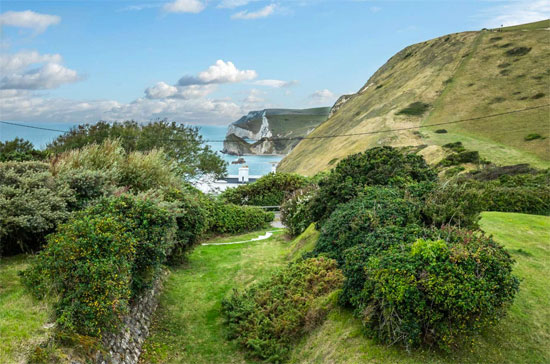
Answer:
x=210 y=61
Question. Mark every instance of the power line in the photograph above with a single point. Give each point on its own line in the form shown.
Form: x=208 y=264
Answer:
x=316 y=137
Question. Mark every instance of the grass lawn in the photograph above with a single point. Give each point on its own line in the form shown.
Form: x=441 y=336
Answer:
x=521 y=337
x=188 y=327
x=21 y=317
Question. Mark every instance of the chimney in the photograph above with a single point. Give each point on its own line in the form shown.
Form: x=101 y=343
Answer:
x=243 y=174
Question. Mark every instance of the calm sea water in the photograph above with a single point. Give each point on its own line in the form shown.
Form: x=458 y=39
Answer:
x=258 y=165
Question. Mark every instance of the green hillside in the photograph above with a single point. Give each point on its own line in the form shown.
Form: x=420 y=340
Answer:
x=447 y=79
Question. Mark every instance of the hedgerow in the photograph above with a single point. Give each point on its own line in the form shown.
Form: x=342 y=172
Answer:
x=434 y=292
x=230 y=218
x=32 y=204
x=269 y=190
x=99 y=260
x=268 y=317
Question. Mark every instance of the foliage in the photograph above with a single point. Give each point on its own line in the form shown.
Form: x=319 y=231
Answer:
x=470 y=156
x=532 y=136
x=183 y=144
x=416 y=108
x=191 y=219
x=32 y=204
x=374 y=215
x=268 y=317
x=19 y=150
x=268 y=190
x=296 y=209
x=229 y=218
x=435 y=291
x=136 y=170
x=87 y=186
x=95 y=263
x=381 y=166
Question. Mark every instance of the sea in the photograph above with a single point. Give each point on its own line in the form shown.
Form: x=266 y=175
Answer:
x=214 y=135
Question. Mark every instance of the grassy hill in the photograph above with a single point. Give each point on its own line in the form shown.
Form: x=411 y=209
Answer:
x=447 y=79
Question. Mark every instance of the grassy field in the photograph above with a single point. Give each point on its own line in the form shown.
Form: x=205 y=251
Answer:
x=460 y=76
x=521 y=337
x=188 y=327
x=21 y=317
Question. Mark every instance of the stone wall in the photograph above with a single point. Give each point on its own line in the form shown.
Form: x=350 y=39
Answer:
x=125 y=346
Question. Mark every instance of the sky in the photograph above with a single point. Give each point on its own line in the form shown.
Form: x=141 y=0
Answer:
x=208 y=62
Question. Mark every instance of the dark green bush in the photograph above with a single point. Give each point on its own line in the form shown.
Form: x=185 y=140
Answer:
x=532 y=136
x=271 y=315
x=269 y=190
x=435 y=292
x=229 y=218
x=471 y=156
x=87 y=186
x=32 y=204
x=455 y=147
x=527 y=200
x=367 y=218
x=191 y=218
x=296 y=210
x=518 y=51
x=381 y=166
x=441 y=131
x=416 y=108
x=99 y=260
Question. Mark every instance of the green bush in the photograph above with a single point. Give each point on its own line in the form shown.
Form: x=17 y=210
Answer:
x=87 y=186
x=435 y=292
x=32 y=204
x=350 y=224
x=99 y=260
x=271 y=315
x=134 y=170
x=381 y=166
x=416 y=109
x=226 y=218
x=296 y=210
x=269 y=190
x=532 y=136
x=460 y=157
x=191 y=218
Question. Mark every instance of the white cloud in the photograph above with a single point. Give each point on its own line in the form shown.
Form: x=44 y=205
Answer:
x=231 y=4
x=28 y=19
x=21 y=60
x=15 y=74
x=184 y=6
x=220 y=72
x=262 y=13
x=163 y=90
x=24 y=106
x=323 y=96
x=276 y=83
x=517 y=12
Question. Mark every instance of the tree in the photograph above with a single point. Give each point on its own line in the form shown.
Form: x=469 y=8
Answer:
x=19 y=150
x=180 y=142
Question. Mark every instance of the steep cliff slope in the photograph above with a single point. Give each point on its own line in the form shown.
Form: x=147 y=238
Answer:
x=480 y=75
x=245 y=135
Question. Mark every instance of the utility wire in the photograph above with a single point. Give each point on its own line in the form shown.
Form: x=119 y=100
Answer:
x=316 y=137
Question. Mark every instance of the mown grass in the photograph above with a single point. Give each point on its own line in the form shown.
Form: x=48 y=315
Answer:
x=188 y=327
x=521 y=337
x=22 y=318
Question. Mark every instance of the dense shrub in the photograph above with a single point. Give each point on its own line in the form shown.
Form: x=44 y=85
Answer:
x=135 y=170
x=99 y=260
x=527 y=200
x=416 y=108
x=270 y=316
x=368 y=215
x=296 y=210
x=183 y=144
x=32 y=204
x=381 y=166
x=434 y=292
x=532 y=136
x=87 y=186
x=20 y=150
x=269 y=190
x=454 y=159
x=191 y=218
x=229 y=218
